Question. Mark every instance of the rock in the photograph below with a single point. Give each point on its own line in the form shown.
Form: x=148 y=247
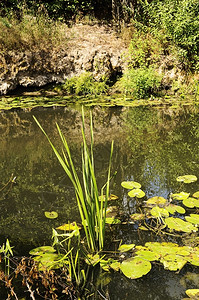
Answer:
x=92 y=48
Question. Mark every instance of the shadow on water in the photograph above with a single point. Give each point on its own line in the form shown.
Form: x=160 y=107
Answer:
x=152 y=146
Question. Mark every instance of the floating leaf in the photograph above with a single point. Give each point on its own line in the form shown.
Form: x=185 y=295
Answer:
x=193 y=293
x=180 y=196
x=112 y=221
x=112 y=197
x=173 y=262
x=135 y=267
x=191 y=202
x=193 y=218
x=92 y=259
x=41 y=250
x=159 y=212
x=115 y=266
x=69 y=227
x=148 y=255
x=156 y=201
x=112 y=211
x=172 y=208
x=125 y=248
x=136 y=193
x=137 y=217
x=187 y=178
x=131 y=185
x=180 y=225
x=196 y=194
x=51 y=214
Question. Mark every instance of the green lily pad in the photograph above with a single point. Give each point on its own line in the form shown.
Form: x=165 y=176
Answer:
x=180 y=225
x=191 y=202
x=196 y=194
x=41 y=250
x=125 y=248
x=159 y=212
x=187 y=178
x=115 y=266
x=148 y=255
x=136 y=193
x=112 y=221
x=156 y=201
x=172 y=208
x=193 y=218
x=51 y=214
x=180 y=196
x=193 y=293
x=131 y=185
x=173 y=262
x=135 y=267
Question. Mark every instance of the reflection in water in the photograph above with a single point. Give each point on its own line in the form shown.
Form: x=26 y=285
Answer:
x=152 y=146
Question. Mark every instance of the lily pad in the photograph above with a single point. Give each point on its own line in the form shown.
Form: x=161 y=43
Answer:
x=196 y=194
x=137 y=217
x=191 y=202
x=125 y=248
x=148 y=255
x=156 y=201
x=180 y=225
x=193 y=293
x=68 y=227
x=173 y=262
x=180 y=196
x=187 y=178
x=136 y=193
x=131 y=185
x=193 y=218
x=112 y=221
x=51 y=214
x=172 y=208
x=159 y=212
x=41 y=250
x=135 y=267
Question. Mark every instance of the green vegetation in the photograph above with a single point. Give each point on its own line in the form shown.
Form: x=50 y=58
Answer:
x=83 y=85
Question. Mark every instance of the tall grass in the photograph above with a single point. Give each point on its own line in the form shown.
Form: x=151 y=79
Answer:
x=91 y=209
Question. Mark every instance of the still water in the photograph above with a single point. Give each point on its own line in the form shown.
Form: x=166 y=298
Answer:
x=151 y=145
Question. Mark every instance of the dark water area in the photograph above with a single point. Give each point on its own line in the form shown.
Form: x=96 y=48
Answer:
x=152 y=146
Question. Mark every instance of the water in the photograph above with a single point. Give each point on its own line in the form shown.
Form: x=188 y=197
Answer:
x=151 y=145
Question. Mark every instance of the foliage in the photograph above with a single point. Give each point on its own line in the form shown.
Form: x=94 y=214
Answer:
x=91 y=209
x=84 y=84
x=140 y=83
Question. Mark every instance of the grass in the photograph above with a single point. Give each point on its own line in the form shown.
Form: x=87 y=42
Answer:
x=91 y=209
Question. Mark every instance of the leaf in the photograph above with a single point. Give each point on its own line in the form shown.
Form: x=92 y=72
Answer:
x=112 y=221
x=187 y=178
x=156 y=201
x=69 y=227
x=137 y=217
x=92 y=259
x=113 y=197
x=131 y=185
x=115 y=266
x=159 y=212
x=172 y=208
x=51 y=214
x=180 y=196
x=41 y=250
x=136 y=193
x=125 y=248
x=196 y=194
x=135 y=267
x=173 y=262
x=191 y=202
x=148 y=255
x=193 y=218
x=193 y=293
x=180 y=225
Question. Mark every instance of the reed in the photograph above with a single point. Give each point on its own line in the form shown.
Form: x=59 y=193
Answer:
x=92 y=210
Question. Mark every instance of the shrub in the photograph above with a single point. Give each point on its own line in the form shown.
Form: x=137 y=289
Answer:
x=140 y=83
x=84 y=84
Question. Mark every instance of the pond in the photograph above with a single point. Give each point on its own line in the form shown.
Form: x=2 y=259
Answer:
x=152 y=146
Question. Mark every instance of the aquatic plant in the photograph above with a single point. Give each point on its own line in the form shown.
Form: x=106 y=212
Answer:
x=91 y=209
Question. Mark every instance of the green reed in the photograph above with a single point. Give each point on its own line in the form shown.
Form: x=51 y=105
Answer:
x=91 y=209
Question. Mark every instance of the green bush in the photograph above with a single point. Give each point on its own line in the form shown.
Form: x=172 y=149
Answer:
x=140 y=83
x=84 y=84
x=180 y=21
